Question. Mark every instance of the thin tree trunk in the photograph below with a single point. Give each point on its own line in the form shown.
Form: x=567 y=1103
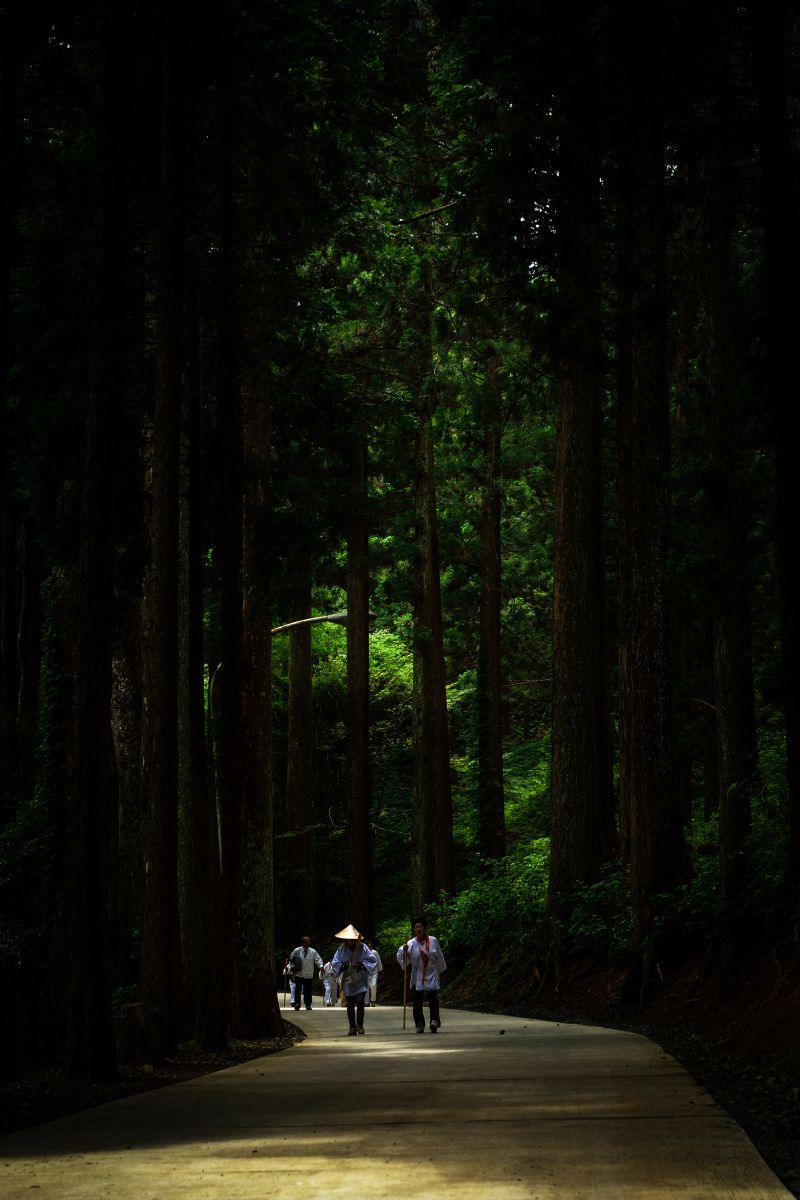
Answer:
x=9 y=675
x=299 y=762
x=490 y=799
x=646 y=686
x=126 y=725
x=229 y=418
x=582 y=828
x=161 y=954
x=91 y=1046
x=199 y=865
x=733 y=677
x=359 y=839
x=259 y=1015
x=29 y=655
x=432 y=868
x=782 y=252
x=685 y=637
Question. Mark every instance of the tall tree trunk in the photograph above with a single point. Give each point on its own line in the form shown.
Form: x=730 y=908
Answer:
x=490 y=798
x=432 y=868
x=199 y=874
x=686 y=648
x=733 y=677
x=229 y=418
x=126 y=726
x=646 y=686
x=91 y=1046
x=625 y=498
x=9 y=674
x=259 y=1014
x=359 y=836
x=782 y=252
x=582 y=823
x=161 y=953
x=299 y=762
x=29 y=654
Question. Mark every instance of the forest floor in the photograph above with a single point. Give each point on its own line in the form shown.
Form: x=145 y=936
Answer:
x=741 y=1043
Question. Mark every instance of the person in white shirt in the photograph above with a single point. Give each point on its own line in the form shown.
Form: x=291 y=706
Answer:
x=372 y=982
x=304 y=959
x=353 y=963
x=331 y=985
x=422 y=956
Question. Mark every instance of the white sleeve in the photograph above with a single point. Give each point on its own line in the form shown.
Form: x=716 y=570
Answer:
x=440 y=956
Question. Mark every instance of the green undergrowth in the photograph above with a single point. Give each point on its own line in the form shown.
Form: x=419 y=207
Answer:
x=498 y=910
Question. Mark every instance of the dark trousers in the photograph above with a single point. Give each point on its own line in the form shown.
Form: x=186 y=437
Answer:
x=302 y=991
x=417 y=996
x=355 y=1009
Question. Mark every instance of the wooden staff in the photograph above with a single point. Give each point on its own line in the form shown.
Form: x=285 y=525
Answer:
x=405 y=981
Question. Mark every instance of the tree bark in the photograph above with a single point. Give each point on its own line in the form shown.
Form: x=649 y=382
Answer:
x=199 y=861
x=432 y=868
x=126 y=726
x=299 y=762
x=259 y=1015
x=490 y=797
x=229 y=545
x=734 y=700
x=582 y=822
x=91 y=1049
x=9 y=614
x=359 y=836
x=161 y=950
x=29 y=657
x=647 y=751
x=782 y=253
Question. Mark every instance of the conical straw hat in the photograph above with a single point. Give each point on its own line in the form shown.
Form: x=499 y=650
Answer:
x=348 y=934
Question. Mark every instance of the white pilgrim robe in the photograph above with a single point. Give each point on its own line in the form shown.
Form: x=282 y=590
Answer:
x=425 y=976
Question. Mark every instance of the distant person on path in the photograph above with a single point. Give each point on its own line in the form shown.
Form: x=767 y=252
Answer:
x=288 y=972
x=304 y=959
x=426 y=962
x=352 y=964
x=372 y=988
x=331 y=985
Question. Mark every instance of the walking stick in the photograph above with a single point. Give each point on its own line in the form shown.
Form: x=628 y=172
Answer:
x=285 y=981
x=405 y=982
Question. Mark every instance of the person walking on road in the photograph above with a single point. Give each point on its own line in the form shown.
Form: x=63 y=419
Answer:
x=288 y=982
x=352 y=964
x=305 y=960
x=423 y=956
x=331 y=985
x=372 y=986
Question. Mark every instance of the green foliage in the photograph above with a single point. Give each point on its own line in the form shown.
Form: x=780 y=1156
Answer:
x=502 y=909
x=600 y=915
x=526 y=771
x=390 y=934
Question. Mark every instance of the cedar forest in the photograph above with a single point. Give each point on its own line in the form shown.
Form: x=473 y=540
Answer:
x=474 y=322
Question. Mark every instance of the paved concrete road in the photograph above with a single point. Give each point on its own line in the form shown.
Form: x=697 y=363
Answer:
x=489 y=1107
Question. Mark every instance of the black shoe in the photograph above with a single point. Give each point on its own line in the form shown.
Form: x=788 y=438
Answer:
x=297 y=1008
x=352 y=1031
x=308 y=1008
x=434 y=1026
x=420 y=1029
x=359 y=1029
